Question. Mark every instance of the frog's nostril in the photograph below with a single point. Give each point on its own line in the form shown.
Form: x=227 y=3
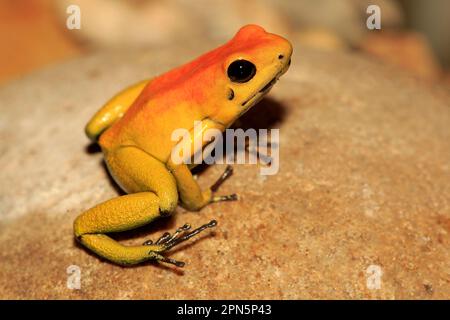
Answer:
x=230 y=94
x=280 y=56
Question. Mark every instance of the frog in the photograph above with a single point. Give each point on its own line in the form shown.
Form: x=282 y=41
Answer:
x=133 y=130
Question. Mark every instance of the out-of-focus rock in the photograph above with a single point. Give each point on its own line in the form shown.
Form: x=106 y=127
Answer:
x=122 y=24
x=322 y=39
x=361 y=194
x=392 y=13
x=431 y=19
x=410 y=51
x=159 y=23
x=31 y=36
x=344 y=18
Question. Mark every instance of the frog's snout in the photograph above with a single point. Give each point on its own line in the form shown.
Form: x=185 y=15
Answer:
x=281 y=57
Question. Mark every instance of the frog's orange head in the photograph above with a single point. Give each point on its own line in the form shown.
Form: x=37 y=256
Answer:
x=225 y=82
x=246 y=68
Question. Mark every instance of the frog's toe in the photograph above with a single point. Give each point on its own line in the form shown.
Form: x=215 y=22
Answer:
x=225 y=175
x=228 y=197
x=166 y=237
x=167 y=241
x=161 y=258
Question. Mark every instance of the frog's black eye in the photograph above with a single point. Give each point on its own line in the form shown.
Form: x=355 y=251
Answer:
x=241 y=71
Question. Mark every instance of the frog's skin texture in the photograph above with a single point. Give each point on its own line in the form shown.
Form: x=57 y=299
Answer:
x=134 y=131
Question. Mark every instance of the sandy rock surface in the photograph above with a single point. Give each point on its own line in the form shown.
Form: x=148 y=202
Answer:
x=363 y=185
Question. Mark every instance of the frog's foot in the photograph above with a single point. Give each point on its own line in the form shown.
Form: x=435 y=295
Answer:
x=167 y=241
x=228 y=197
x=225 y=175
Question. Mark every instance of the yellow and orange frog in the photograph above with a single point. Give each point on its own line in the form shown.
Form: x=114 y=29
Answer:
x=134 y=131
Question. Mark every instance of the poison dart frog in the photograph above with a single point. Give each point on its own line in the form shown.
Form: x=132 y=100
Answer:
x=134 y=130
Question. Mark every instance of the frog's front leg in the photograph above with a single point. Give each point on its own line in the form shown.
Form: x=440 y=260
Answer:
x=191 y=195
x=154 y=194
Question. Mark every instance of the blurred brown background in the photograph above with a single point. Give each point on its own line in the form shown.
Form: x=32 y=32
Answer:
x=415 y=33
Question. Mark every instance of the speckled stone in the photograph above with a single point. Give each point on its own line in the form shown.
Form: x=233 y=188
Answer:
x=364 y=181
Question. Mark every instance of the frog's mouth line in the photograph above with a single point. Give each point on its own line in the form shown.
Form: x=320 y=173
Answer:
x=263 y=90
x=269 y=85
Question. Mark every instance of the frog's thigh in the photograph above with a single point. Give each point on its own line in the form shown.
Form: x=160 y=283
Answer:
x=158 y=197
x=191 y=196
x=118 y=214
x=137 y=171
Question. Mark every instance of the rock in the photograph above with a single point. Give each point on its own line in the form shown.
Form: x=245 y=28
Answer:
x=326 y=23
x=321 y=39
x=407 y=50
x=362 y=188
x=432 y=22
x=34 y=37
x=345 y=19
x=106 y=24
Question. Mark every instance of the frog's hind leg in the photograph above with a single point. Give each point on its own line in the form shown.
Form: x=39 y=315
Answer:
x=125 y=213
x=154 y=195
x=169 y=241
x=118 y=214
